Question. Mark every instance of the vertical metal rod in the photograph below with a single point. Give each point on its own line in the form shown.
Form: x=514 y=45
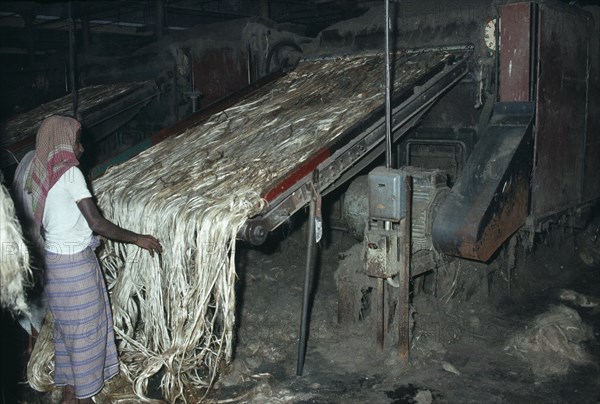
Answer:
x=249 y=63
x=404 y=279
x=72 y=63
x=310 y=263
x=264 y=9
x=532 y=56
x=388 y=86
x=380 y=316
x=380 y=298
x=29 y=37
x=192 y=72
x=497 y=58
x=159 y=19
x=86 y=38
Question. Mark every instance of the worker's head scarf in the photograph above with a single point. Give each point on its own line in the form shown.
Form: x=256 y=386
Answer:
x=54 y=155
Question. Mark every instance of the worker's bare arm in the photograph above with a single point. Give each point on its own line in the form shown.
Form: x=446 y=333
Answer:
x=106 y=228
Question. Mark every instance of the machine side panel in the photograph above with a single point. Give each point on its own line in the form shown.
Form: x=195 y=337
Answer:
x=219 y=72
x=515 y=58
x=490 y=200
x=561 y=111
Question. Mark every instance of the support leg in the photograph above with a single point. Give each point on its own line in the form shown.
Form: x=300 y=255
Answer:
x=310 y=264
x=380 y=313
x=403 y=314
x=404 y=278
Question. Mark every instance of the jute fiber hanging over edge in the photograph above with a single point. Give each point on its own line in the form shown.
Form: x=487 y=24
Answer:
x=15 y=270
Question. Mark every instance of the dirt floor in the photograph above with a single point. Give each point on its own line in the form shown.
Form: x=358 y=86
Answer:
x=462 y=339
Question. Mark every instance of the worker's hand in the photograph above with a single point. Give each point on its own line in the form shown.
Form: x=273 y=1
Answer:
x=149 y=243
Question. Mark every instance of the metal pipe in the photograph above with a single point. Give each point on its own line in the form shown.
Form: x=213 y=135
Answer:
x=159 y=18
x=388 y=85
x=497 y=58
x=448 y=48
x=380 y=298
x=29 y=36
x=532 y=50
x=86 y=37
x=264 y=9
x=380 y=316
x=310 y=263
x=249 y=63
x=72 y=60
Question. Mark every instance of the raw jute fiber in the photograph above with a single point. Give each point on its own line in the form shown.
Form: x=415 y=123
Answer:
x=174 y=313
x=15 y=272
x=27 y=123
x=552 y=343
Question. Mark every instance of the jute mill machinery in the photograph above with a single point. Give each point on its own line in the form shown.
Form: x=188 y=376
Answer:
x=531 y=162
x=532 y=159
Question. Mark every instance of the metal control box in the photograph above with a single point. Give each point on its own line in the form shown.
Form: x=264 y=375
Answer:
x=387 y=194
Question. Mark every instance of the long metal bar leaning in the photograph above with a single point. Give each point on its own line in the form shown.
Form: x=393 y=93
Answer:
x=311 y=254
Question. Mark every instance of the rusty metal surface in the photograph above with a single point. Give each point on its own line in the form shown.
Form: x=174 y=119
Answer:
x=561 y=111
x=515 y=52
x=382 y=253
x=491 y=198
x=219 y=72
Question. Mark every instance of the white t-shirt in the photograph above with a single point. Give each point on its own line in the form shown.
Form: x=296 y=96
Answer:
x=66 y=229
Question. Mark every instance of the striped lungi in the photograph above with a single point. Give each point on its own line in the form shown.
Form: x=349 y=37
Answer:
x=86 y=354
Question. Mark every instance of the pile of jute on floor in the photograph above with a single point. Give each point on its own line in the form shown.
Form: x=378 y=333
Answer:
x=174 y=313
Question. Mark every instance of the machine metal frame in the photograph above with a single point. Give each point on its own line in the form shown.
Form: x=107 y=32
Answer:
x=357 y=148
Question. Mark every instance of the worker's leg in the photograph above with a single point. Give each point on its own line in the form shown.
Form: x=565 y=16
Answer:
x=68 y=395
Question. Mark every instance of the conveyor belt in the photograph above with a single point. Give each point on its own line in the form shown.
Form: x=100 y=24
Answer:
x=416 y=89
x=102 y=109
x=327 y=114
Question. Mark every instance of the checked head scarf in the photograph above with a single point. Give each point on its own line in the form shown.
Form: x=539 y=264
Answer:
x=54 y=155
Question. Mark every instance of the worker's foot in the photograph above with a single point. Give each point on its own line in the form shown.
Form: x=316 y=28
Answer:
x=68 y=395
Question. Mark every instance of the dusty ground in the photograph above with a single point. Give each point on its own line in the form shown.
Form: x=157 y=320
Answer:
x=458 y=350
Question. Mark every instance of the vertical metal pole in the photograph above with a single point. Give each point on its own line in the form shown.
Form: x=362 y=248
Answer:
x=310 y=264
x=192 y=72
x=72 y=63
x=497 y=58
x=380 y=313
x=264 y=9
x=249 y=63
x=159 y=19
x=86 y=37
x=388 y=89
x=29 y=37
x=532 y=50
x=380 y=298
x=404 y=279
